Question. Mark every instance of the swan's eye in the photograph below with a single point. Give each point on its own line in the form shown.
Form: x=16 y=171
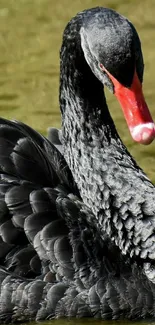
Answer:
x=111 y=77
x=102 y=66
x=108 y=82
x=114 y=81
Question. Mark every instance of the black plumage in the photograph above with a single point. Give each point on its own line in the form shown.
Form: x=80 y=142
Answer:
x=77 y=230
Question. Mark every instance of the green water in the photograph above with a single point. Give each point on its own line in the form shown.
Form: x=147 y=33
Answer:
x=30 y=38
x=92 y=322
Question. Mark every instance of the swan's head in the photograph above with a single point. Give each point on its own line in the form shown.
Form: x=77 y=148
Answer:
x=112 y=49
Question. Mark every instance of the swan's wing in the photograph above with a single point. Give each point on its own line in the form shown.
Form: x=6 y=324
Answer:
x=48 y=234
x=28 y=163
x=44 y=227
x=112 y=296
x=34 y=180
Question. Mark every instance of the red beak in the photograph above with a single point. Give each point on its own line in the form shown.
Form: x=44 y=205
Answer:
x=135 y=109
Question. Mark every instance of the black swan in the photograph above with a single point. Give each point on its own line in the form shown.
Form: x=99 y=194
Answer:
x=78 y=229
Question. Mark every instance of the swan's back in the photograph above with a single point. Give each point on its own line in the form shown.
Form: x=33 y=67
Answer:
x=54 y=262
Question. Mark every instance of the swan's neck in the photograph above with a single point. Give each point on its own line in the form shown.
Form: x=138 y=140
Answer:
x=82 y=100
x=106 y=175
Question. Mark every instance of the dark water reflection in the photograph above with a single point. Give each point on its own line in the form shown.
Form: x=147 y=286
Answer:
x=93 y=322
